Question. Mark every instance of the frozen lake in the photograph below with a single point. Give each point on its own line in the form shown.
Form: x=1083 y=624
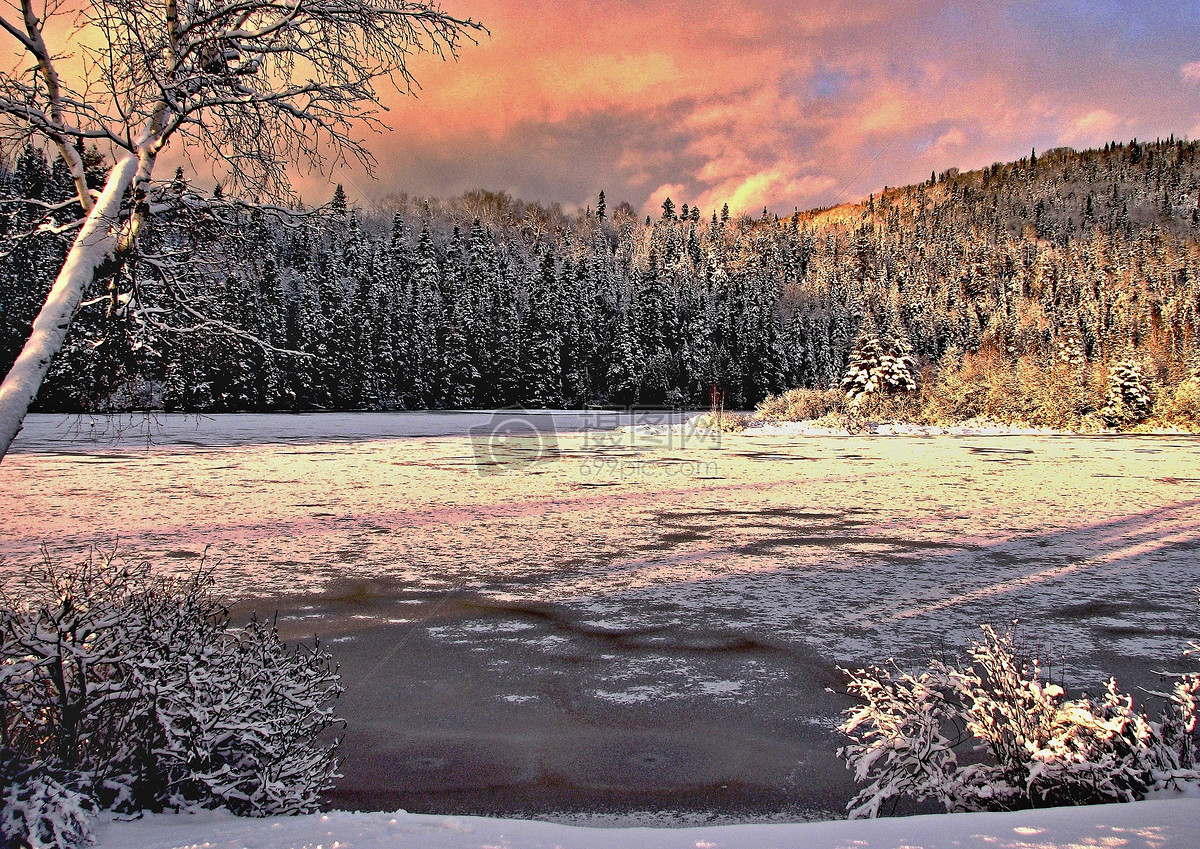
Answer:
x=541 y=614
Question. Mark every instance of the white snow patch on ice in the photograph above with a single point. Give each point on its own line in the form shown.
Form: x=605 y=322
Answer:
x=496 y=627
x=636 y=694
x=721 y=688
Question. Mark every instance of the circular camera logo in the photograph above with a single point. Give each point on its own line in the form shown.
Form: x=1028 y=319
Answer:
x=513 y=440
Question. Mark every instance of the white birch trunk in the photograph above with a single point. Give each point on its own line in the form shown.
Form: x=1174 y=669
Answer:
x=95 y=244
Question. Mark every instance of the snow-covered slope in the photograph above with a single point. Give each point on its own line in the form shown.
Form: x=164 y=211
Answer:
x=1158 y=824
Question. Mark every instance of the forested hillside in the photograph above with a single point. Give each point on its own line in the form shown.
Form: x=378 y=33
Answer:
x=1063 y=257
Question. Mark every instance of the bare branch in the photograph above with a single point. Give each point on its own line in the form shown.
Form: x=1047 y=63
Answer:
x=56 y=127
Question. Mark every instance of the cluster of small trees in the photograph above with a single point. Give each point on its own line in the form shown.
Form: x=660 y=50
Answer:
x=124 y=691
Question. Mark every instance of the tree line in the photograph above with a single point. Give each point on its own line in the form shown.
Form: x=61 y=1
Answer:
x=486 y=301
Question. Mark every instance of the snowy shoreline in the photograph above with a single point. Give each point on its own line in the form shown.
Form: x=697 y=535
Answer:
x=1161 y=823
x=821 y=427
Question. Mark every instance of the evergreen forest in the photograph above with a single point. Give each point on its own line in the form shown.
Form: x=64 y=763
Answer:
x=1081 y=258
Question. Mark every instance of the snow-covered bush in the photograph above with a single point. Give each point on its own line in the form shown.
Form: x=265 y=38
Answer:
x=41 y=806
x=879 y=366
x=138 y=690
x=1128 y=400
x=1029 y=745
x=717 y=421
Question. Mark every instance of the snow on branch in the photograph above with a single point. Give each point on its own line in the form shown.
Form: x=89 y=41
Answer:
x=123 y=690
x=260 y=84
x=256 y=84
x=1029 y=745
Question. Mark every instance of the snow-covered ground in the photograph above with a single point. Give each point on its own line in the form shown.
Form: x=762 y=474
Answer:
x=699 y=423
x=1156 y=824
x=848 y=545
x=559 y=618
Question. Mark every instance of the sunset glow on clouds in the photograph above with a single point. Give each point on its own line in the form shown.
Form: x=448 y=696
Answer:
x=778 y=104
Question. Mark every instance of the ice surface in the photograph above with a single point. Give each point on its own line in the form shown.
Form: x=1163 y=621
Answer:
x=859 y=548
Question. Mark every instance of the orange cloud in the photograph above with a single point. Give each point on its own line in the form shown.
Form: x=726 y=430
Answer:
x=1096 y=127
x=770 y=102
x=775 y=103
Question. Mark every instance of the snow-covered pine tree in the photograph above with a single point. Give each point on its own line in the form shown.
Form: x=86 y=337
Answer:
x=626 y=364
x=575 y=317
x=426 y=318
x=459 y=375
x=543 y=351
x=879 y=367
x=862 y=377
x=510 y=340
x=483 y=286
x=1129 y=399
x=696 y=348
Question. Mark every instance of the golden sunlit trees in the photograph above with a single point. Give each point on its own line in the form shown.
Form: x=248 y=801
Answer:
x=253 y=85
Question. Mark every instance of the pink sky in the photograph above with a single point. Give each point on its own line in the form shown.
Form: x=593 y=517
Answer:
x=773 y=103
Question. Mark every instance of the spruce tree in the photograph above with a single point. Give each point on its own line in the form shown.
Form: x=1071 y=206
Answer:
x=543 y=356
x=1129 y=400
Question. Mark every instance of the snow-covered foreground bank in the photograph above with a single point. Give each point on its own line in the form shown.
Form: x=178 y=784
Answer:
x=1156 y=824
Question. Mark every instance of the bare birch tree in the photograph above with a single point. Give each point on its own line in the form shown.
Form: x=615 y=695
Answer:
x=255 y=85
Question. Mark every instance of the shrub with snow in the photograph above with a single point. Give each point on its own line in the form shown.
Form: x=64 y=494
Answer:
x=1030 y=746
x=879 y=366
x=136 y=691
x=800 y=405
x=41 y=806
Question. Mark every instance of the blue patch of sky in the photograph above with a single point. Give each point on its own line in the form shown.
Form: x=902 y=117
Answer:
x=828 y=83
x=1121 y=23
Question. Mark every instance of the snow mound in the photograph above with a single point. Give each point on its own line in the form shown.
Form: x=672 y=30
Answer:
x=1167 y=823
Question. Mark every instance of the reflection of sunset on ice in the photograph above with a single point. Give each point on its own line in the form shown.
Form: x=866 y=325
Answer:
x=849 y=545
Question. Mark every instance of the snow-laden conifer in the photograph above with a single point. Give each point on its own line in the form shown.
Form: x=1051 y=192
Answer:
x=879 y=367
x=1128 y=400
